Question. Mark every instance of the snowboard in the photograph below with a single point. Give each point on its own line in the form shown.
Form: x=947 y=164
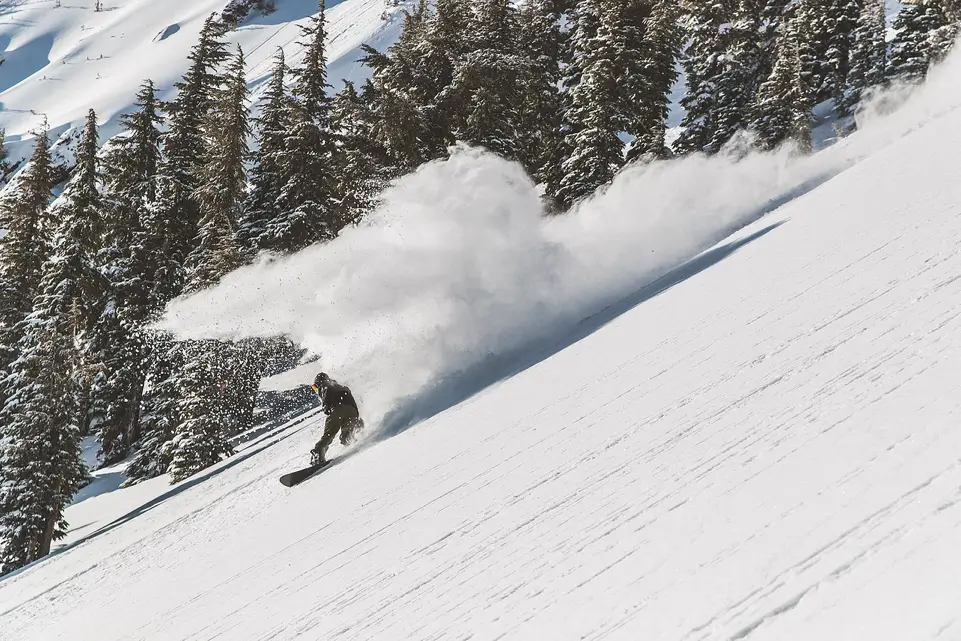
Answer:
x=300 y=476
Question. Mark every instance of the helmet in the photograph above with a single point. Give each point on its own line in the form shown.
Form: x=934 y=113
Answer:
x=321 y=380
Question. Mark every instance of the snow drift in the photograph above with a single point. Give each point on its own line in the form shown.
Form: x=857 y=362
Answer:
x=459 y=265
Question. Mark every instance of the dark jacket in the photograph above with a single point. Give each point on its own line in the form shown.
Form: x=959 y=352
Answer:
x=334 y=395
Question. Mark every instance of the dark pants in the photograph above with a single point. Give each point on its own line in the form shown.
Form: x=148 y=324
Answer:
x=343 y=419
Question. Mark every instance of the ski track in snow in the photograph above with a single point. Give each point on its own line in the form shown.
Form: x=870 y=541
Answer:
x=767 y=450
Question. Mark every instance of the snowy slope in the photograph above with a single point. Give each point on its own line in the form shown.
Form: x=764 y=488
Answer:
x=763 y=445
x=60 y=62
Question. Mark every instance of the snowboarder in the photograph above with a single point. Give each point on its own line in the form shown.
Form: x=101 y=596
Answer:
x=342 y=415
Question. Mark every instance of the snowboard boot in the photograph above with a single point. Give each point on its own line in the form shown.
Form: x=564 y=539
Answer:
x=316 y=458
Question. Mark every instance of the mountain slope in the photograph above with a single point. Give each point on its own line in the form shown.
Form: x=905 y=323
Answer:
x=62 y=61
x=764 y=447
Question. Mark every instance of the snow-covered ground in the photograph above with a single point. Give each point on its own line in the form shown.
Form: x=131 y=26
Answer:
x=762 y=444
x=61 y=61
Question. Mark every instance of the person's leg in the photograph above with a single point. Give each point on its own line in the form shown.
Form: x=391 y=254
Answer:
x=331 y=426
x=352 y=425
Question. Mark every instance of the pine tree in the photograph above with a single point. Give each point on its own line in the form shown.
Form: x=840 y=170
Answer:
x=594 y=117
x=77 y=214
x=719 y=63
x=869 y=54
x=305 y=204
x=5 y=165
x=771 y=14
x=160 y=414
x=484 y=96
x=584 y=19
x=40 y=466
x=837 y=26
x=118 y=343
x=200 y=440
x=430 y=59
x=411 y=81
x=942 y=38
x=248 y=361
x=660 y=49
x=538 y=133
x=266 y=175
x=926 y=31
x=364 y=169
x=222 y=178
x=173 y=218
x=581 y=18
x=24 y=248
x=784 y=101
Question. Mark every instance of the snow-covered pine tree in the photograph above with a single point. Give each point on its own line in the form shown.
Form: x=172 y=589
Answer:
x=431 y=60
x=266 y=175
x=77 y=215
x=660 y=49
x=770 y=14
x=42 y=418
x=909 y=56
x=222 y=179
x=720 y=62
x=173 y=218
x=160 y=413
x=868 y=55
x=5 y=166
x=364 y=163
x=40 y=466
x=200 y=440
x=411 y=101
x=305 y=213
x=830 y=25
x=538 y=133
x=118 y=343
x=943 y=37
x=784 y=101
x=484 y=97
x=580 y=20
x=400 y=125
x=246 y=363
x=24 y=248
x=583 y=21
x=593 y=115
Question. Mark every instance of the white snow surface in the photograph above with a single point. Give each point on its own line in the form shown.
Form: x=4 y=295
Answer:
x=763 y=444
x=60 y=62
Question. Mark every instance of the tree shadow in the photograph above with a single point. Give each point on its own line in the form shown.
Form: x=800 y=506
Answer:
x=454 y=389
x=101 y=484
x=24 y=61
x=288 y=11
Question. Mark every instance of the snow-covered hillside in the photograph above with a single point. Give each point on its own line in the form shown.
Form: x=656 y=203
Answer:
x=61 y=61
x=762 y=444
